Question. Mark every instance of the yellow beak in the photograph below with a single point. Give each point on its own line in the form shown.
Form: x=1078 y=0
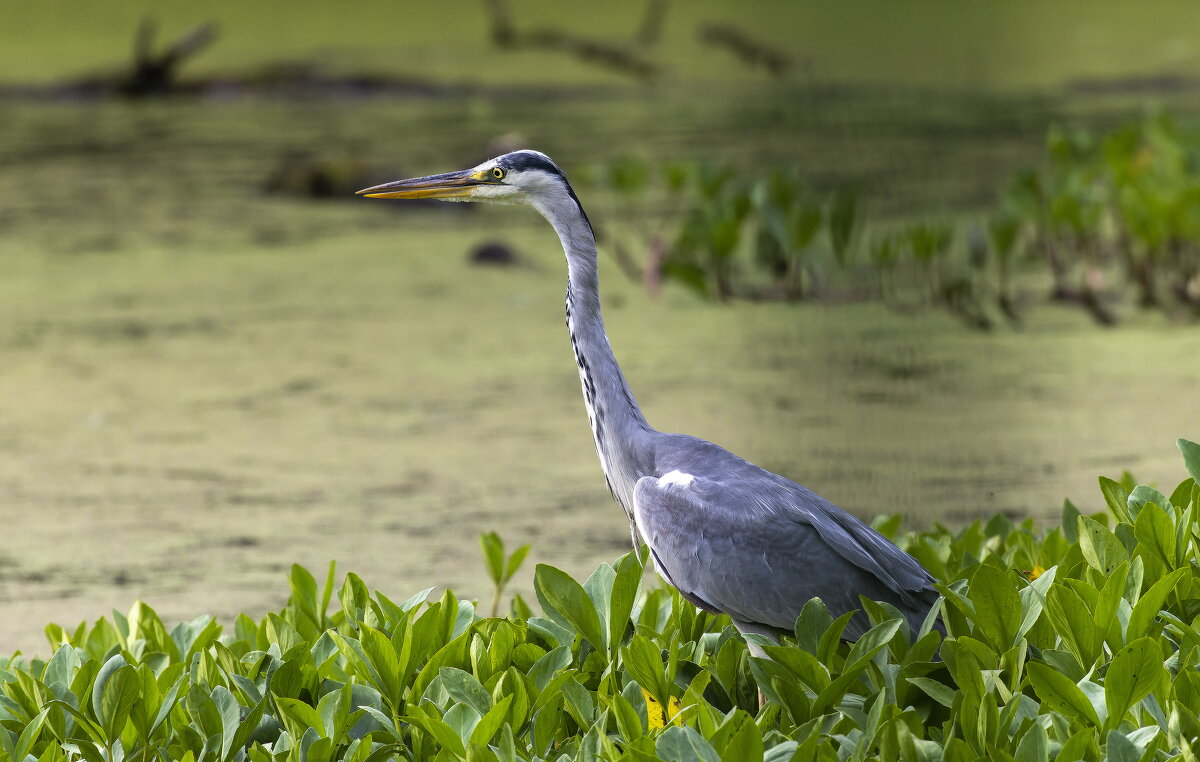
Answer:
x=448 y=185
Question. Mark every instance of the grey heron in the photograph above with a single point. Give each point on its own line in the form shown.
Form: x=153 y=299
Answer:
x=733 y=538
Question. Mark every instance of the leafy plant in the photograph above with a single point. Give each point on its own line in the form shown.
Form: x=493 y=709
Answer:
x=1104 y=214
x=1078 y=642
x=500 y=567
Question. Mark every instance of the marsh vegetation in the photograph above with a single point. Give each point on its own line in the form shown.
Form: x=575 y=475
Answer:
x=1073 y=642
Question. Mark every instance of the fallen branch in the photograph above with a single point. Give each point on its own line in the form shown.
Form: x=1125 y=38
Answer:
x=157 y=73
x=614 y=56
x=593 y=51
x=751 y=51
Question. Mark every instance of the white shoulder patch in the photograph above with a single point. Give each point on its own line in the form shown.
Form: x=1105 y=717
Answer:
x=675 y=479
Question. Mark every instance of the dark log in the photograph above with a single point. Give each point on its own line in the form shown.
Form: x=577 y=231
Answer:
x=650 y=31
x=606 y=54
x=155 y=74
x=751 y=51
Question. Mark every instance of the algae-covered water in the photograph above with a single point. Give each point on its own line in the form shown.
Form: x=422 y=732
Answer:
x=201 y=383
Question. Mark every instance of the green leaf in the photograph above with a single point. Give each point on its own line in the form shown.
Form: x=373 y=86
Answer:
x=281 y=631
x=1116 y=497
x=205 y=716
x=831 y=640
x=560 y=594
x=1118 y=748
x=812 y=624
x=62 y=665
x=746 y=745
x=384 y=663
x=623 y=598
x=599 y=587
x=803 y=665
x=1155 y=529
x=143 y=711
x=1057 y=691
x=1182 y=494
x=1070 y=521
x=167 y=704
x=333 y=708
x=997 y=606
x=248 y=727
x=1109 y=600
x=118 y=690
x=304 y=594
x=454 y=652
x=871 y=643
x=786 y=751
x=1151 y=602
x=578 y=702
x=113 y=664
x=1132 y=674
x=514 y=562
x=861 y=653
x=144 y=623
x=544 y=727
x=229 y=710
x=644 y=663
x=29 y=735
x=491 y=722
x=1144 y=494
x=1101 y=548
x=940 y=693
x=1034 y=746
x=1191 y=457
x=683 y=744
x=465 y=689
x=327 y=591
x=1079 y=746
x=462 y=719
x=385 y=722
x=1072 y=620
x=549 y=665
x=437 y=729
x=630 y=726
x=493 y=556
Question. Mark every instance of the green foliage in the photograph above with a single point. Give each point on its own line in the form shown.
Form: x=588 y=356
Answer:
x=500 y=567
x=1055 y=648
x=1103 y=215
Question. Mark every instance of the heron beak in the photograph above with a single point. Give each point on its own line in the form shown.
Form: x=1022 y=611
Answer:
x=449 y=185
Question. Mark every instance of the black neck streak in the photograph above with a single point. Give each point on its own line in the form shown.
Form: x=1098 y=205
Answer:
x=595 y=410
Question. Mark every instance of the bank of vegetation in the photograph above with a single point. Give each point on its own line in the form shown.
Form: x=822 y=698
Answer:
x=1078 y=642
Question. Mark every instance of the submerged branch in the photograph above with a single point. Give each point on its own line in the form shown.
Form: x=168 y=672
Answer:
x=750 y=51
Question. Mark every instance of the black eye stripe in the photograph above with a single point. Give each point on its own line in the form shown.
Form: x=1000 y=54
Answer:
x=527 y=160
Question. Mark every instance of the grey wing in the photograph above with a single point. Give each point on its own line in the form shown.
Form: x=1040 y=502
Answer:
x=726 y=551
x=871 y=551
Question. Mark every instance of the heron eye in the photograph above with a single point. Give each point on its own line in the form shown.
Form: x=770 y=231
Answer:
x=498 y=173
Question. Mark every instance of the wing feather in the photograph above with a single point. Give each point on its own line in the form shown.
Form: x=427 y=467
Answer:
x=760 y=554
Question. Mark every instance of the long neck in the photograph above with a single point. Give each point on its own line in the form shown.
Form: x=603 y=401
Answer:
x=620 y=429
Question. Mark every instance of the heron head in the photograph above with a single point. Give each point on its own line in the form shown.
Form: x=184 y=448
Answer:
x=520 y=177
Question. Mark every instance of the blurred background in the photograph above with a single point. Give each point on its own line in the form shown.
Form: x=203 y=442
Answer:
x=937 y=259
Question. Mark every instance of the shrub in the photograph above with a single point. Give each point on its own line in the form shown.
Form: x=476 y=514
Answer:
x=1080 y=642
